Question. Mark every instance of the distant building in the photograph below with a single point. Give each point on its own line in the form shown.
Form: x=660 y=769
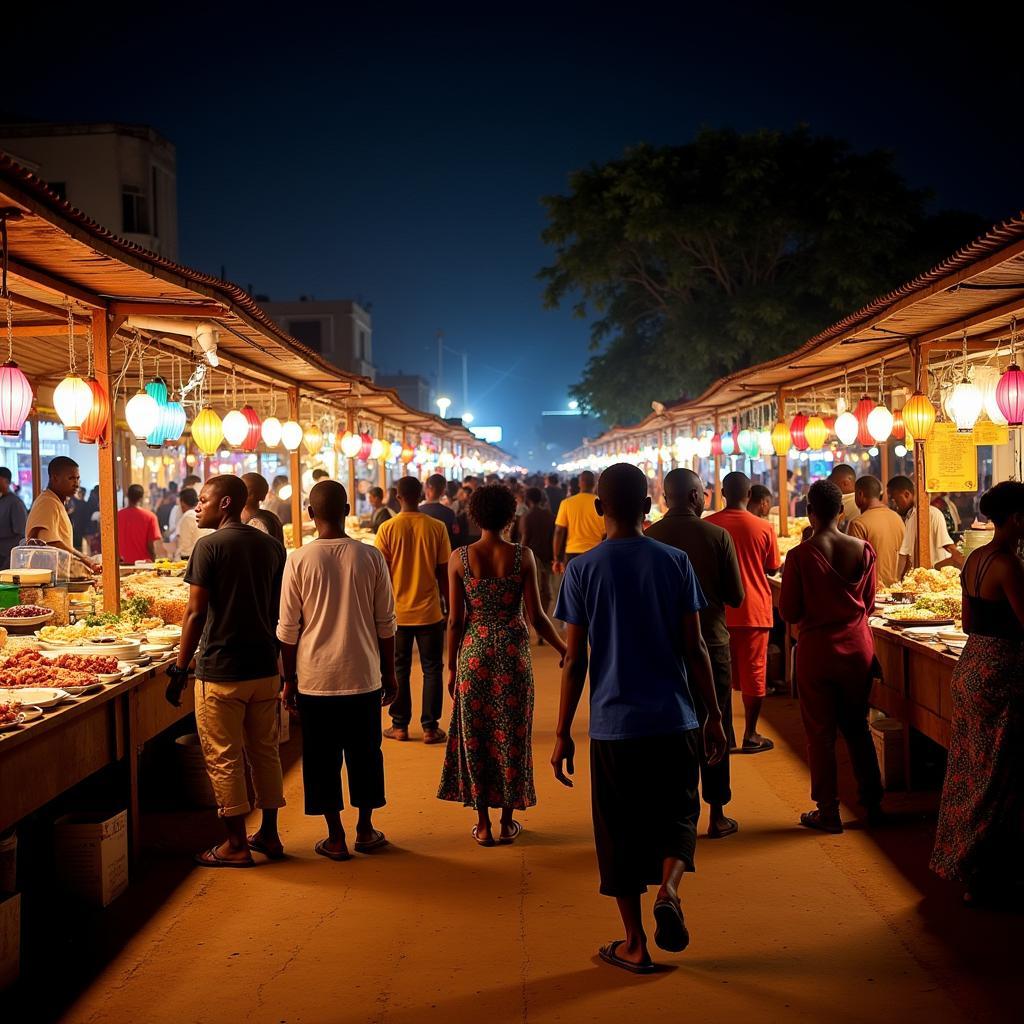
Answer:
x=339 y=329
x=123 y=176
x=412 y=389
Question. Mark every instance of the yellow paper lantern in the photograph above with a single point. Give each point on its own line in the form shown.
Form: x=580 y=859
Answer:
x=816 y=433
x=313 y=439
x=782 y=441
x=919 y=416
x=207 y=431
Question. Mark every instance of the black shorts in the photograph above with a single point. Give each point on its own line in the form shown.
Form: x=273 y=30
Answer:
x=645 y=806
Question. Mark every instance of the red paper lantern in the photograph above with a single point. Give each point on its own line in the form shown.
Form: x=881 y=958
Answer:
x=716 y=444
x=15 y=399
x=365 y=447
x=254 y=433
x=796 y=432
x=830 y=425
x=899 y=431
x=861 y=413
x=96 y=422
x=1010 y=395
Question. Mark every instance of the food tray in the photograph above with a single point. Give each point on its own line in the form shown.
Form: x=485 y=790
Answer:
x=925 y=623
x=28 y=714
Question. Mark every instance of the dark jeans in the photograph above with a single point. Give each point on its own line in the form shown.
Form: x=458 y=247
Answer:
x=715 y=779
x=430 y=641
x=338 y=729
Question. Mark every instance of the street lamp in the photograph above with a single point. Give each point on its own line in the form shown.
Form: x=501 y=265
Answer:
x=574 y=405
x=467 y=417
x=442 y=404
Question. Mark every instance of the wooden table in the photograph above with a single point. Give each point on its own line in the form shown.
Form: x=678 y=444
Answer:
x=74 y=740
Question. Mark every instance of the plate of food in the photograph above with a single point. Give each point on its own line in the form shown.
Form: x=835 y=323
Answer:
x=956 y=636
x=14 y=714
x=34 y=696
x=25 y=615
x=914 y=616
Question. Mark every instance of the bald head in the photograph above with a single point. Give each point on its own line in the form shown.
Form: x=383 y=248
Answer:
x=328 y=502
x=622 y=495
x=684 y=490
x=736 y=489
x=257 y=487
x=221 y=500
x=844 y=476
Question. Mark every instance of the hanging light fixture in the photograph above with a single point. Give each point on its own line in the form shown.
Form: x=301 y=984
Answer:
x=313 y=439
x=704 y=447
x=351 y=443
x=271 y=431
x=782 y=440
x=254 y=429
x=797 y=428
x=141 y=410
x=15 y=390
x=898 y=429
x=815 y=433
x=407 y=454
x=72 y=397
x=95 y=423
x=291 y=435
x=765 y=448
x=396 y=451
x=861 y=414
x=1010 y=389
x=987 y=379
x=365 y=447
x=207 y=431
x=919 y=416
x=743 y=440
x=880 y=419
x=965 y=400
x=377 y=450
x=716 y=444
x=235 y=428
x=728 y=443
x=157 y=390
x=174 y=421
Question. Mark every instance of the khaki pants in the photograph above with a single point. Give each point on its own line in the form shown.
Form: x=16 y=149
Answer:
x=238 y=721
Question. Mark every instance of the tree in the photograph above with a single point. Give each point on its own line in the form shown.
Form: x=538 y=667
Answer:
x=700 y=259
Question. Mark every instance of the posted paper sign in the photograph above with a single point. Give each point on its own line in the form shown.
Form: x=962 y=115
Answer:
x=950 y=460
x=987 y=432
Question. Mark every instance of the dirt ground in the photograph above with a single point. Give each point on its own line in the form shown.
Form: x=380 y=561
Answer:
x=786 y=925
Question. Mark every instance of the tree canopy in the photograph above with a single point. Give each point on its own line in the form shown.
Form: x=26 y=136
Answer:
x=696 y=260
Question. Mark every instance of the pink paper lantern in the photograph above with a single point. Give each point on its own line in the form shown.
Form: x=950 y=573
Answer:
x=1010 y=395
x=15 y=399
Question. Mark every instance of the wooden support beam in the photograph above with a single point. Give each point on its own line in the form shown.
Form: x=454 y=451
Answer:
x=295 y=473
x=63 y=289
x=37 y=467
x=353 y=427
x=717 y=459
x=171 y=310
x=44 y=330
x=782 y=462
x=60 y=313
x=922 y=549
x=107 y=459
x=382 y=473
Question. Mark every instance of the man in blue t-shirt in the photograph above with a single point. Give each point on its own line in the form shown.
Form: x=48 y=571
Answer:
x=637 y=602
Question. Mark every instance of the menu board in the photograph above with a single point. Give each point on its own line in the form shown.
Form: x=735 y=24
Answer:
x=987 y=432
x=950 y=460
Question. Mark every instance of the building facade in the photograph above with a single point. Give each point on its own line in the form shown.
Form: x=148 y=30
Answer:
x=122 y=176
x=338 y=329
x=412 y=389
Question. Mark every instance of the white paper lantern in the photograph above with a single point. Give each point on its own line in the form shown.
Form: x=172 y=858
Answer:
x=291 y=435
x=235 y=427
x=964 y=406
x=987 y=378
x=271 y=431
x=880 y=423
x=846 y=427
x=704 y=447
x=351 y=442
x=72 y=398
x=376 y=449
x=764 y=443
x=141 y=412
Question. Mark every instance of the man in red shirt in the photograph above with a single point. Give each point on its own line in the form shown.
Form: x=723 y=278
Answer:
x=757 y=550
x=137 y=530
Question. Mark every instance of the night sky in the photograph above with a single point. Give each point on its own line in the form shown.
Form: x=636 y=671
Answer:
x=400 y=159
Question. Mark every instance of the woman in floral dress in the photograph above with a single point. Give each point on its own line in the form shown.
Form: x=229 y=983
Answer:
x=980 y=835
x=489 y=759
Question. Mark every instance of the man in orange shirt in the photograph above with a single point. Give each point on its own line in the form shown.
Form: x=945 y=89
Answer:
x=757 y=550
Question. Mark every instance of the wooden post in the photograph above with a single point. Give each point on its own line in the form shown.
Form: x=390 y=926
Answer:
x=661 y=463
x=37 y=462
x=922 y=549
x=295 y=473
x=405 y=444
x=106 y=456
x=884 y=468
x=783 y=480
x=695 y=461
x=717 y=459
x=382 y=465
x=352 y=466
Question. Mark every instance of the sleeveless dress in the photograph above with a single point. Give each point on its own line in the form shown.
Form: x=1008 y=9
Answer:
x=489 y=757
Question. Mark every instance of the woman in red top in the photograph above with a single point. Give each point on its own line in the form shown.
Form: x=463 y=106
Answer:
x=828 y=589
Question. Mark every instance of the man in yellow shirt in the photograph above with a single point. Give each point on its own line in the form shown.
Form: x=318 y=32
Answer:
x=416 y=549
x=48 y=519
x=578 y=527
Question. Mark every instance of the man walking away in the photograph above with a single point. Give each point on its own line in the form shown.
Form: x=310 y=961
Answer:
x=434 y=490
x=337 y=633
x=379 y=513
x=13 y=516
x=578 y=525
x=882 y=528
x=234 y=578
x=635 y=602
x=555 y=492
x=535 y=530
x=757 y=551
x=416 y=550
x=138 y=529
x=713 y=557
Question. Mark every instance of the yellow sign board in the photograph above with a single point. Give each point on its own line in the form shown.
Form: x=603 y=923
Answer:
x=950 y=460
x=987 y=432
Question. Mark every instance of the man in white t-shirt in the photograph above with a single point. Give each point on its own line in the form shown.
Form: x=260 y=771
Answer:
x=844 y=476
x=941 y=549
x=337 y=631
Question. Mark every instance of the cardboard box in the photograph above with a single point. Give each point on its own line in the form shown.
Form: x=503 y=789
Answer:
x=92 y=855
x=887 y=734
x=10 y=938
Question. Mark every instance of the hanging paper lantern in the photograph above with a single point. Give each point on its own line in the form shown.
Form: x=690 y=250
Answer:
x=716 y=444
x=704 y=447
x=965 y=404
x=830 y=425
x=987 y=379
x=72 y=399
x=157 y=390
x=880 y=422
x=142 y=413
x=95 y=423
x=313 y=439
x=377 y=450
x=351 y=443
x=174 y=421
x=396 y=451
x=862 y=412
x=898 y=430
x=365 y=447
x=796 y=432
x=919 y=416
x=407 y=455
x=765 y=448
x=743 y=441
x=291 y=435
x=815 y=433
x=782 y=440
x=251 y=441
x=207 y=431
x=1010 y=395
x=270 y=431
x=15 y=399
x=847 y=427
x=728 y=443
x=235 y=428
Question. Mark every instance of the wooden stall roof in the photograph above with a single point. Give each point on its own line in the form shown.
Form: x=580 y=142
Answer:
x=59 y=255
x=979 y=289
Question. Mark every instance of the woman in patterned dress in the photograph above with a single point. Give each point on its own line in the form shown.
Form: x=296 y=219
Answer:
x=980 y=835
x=489 y=758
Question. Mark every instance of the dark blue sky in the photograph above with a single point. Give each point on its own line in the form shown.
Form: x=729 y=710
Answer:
x=401 y=159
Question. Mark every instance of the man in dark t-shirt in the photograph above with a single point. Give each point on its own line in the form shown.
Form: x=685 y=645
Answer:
x=234 y=578
x=554 y=492
x=433 y=491
x=535 y=529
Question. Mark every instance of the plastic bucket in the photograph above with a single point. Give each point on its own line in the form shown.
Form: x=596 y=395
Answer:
x=192 y=770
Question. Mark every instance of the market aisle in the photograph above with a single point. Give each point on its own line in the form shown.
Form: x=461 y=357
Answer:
x=786 y=925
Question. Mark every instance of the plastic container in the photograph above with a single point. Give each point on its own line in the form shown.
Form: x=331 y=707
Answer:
x=40 y=556
x=10 y=595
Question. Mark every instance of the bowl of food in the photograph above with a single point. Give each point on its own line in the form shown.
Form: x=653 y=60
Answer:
x=25 y=615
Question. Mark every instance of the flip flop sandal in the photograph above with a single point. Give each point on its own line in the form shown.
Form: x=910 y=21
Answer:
x=756 y=748
x=211 y=859
x=321 y=848
x=608 y=955
x=720 y=833
x=508 y=840
x=270 y=852
x=814 y=820
x=378 y=840
x=671 y=935
x=479 y=841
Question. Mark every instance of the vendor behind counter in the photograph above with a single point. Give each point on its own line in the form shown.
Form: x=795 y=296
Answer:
x=48 y=519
